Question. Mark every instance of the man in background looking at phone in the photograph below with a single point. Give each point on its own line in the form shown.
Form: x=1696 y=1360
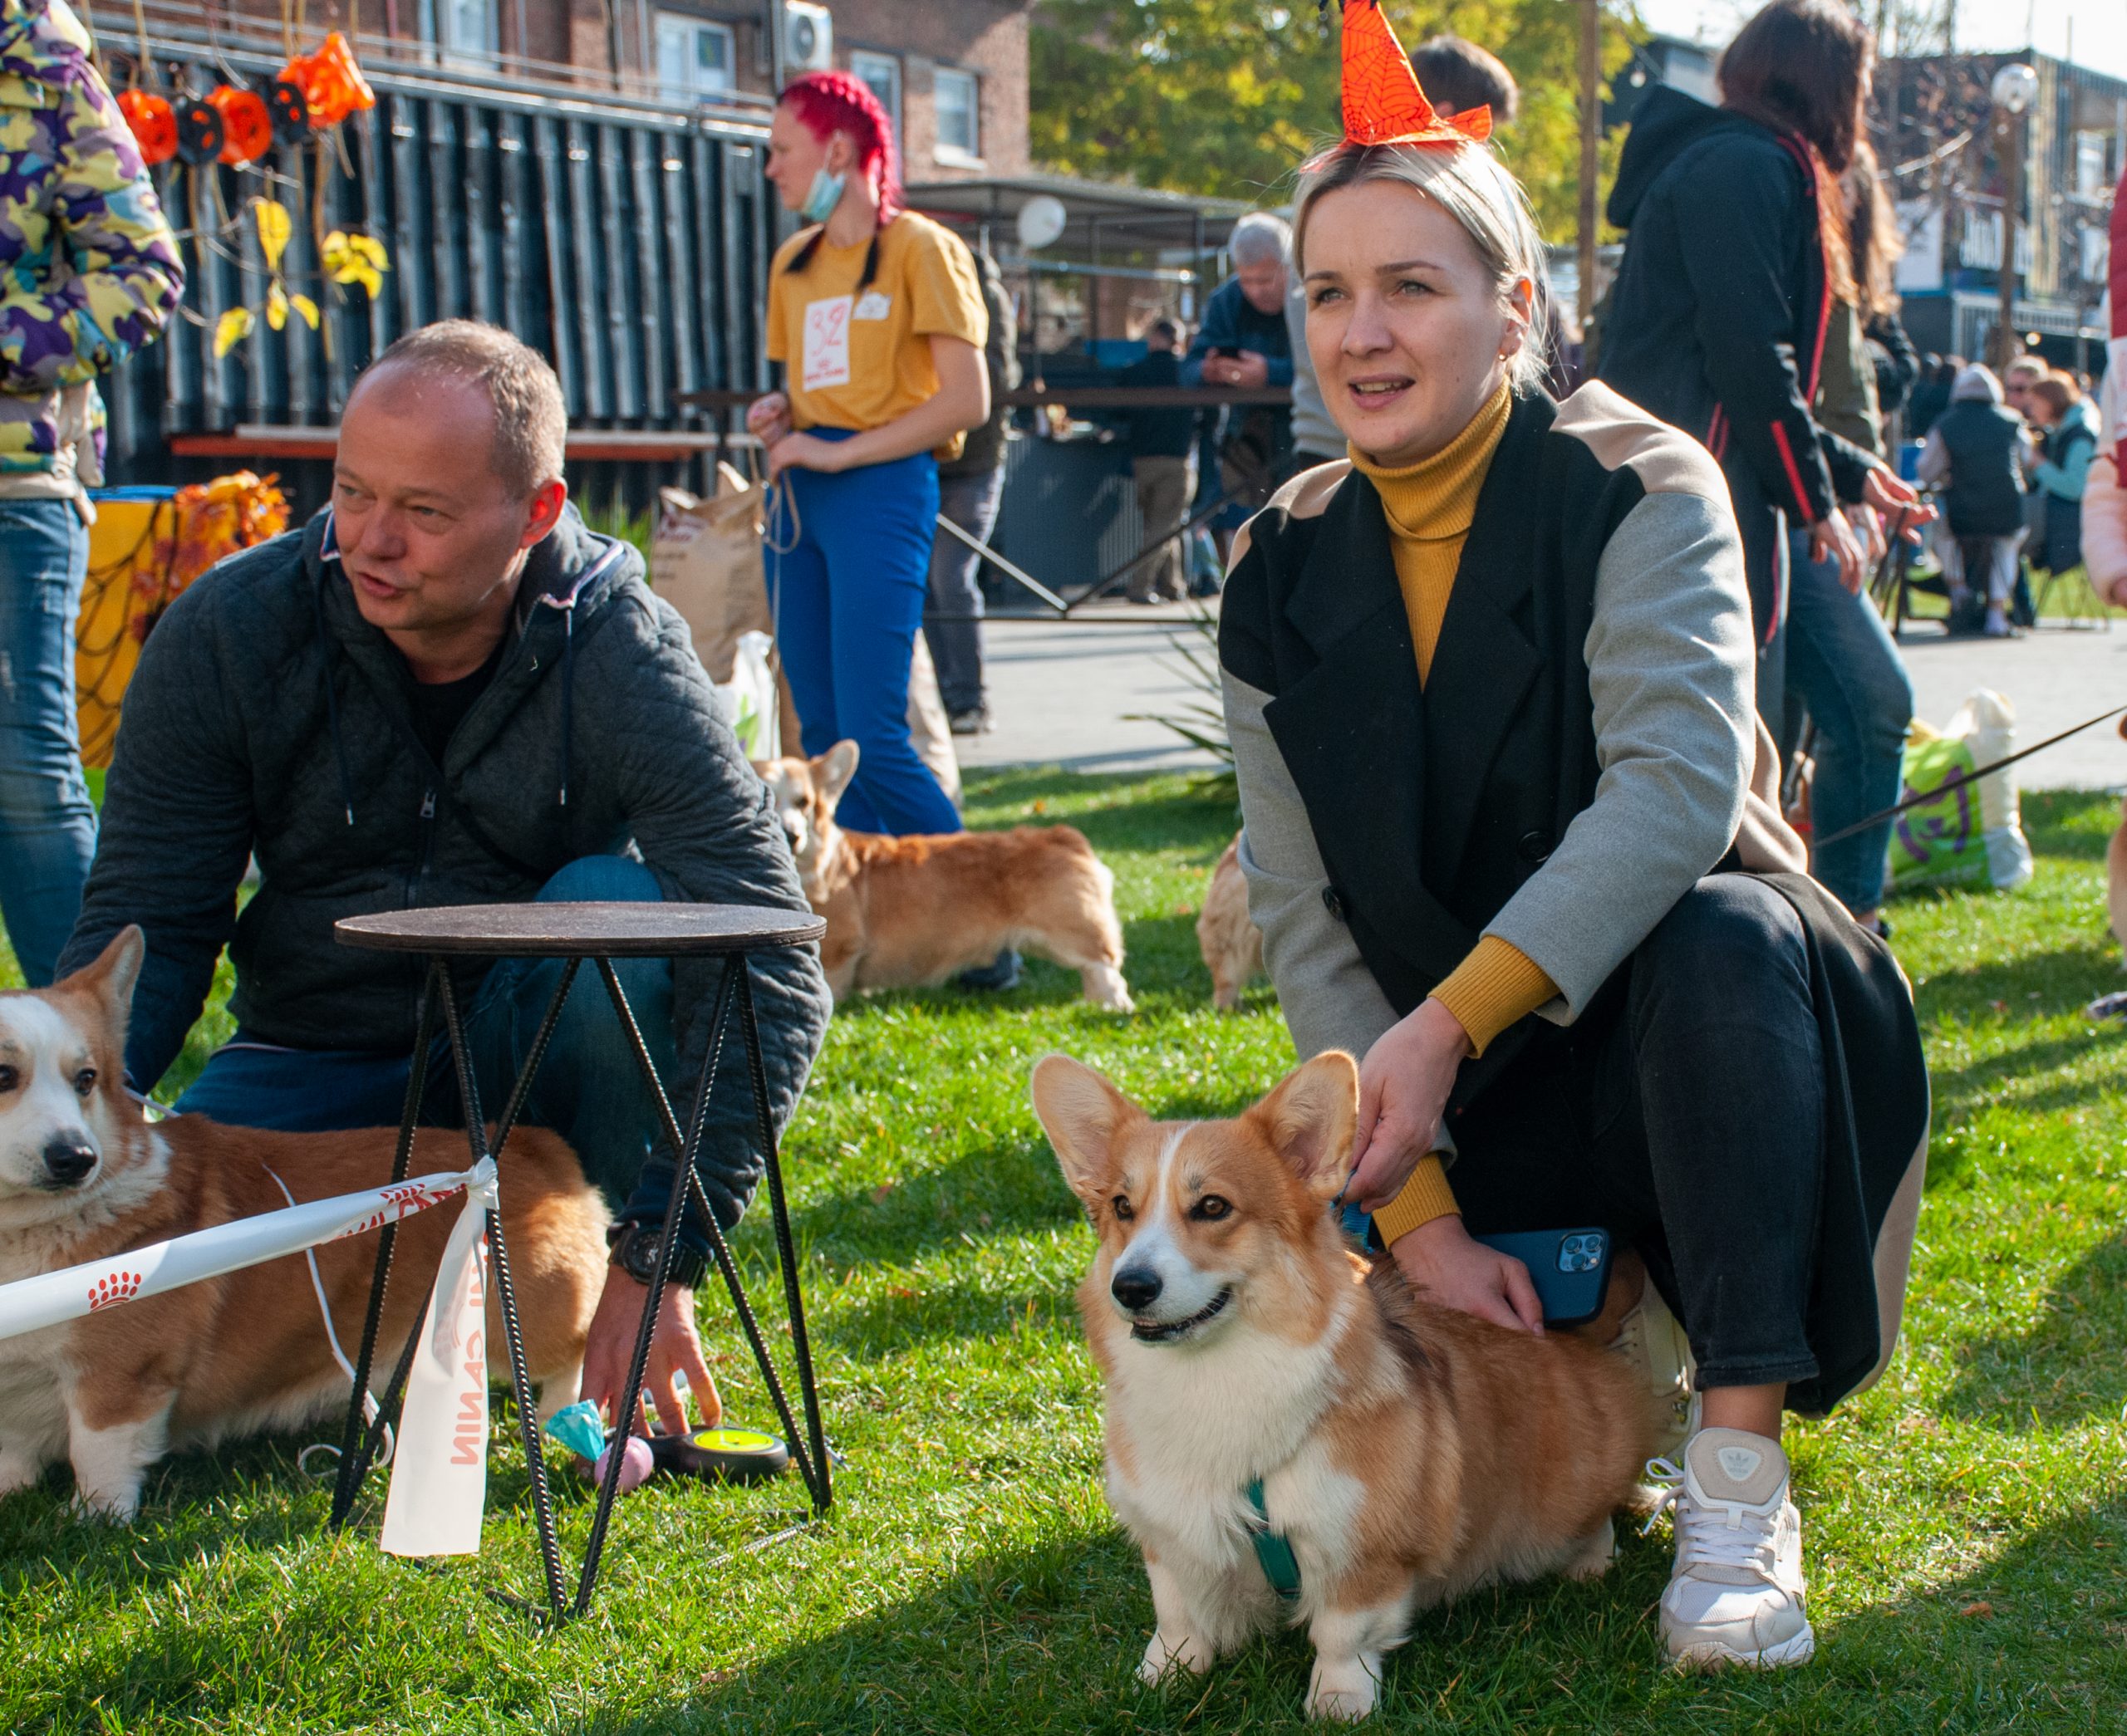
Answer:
x=1243 y=343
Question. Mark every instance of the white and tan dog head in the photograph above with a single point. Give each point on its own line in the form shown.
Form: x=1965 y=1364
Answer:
x=806 y=793
x=63 y=1103
x=1202 y=1223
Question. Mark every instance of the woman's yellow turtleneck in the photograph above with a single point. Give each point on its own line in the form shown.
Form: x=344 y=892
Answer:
x=1429 y=506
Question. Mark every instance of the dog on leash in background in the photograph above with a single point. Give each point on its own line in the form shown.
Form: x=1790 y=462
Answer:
x=1405 y=1452
x=1226 y=935
x=903 y=912
x=83 y=1175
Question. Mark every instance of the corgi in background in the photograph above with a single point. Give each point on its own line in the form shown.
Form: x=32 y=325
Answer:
x=1263 y=1378
x=84 y=1175
x=903 y=912
x=1226 y=935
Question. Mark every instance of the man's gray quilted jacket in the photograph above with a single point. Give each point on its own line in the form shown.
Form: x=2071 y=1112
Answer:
x=262 y=720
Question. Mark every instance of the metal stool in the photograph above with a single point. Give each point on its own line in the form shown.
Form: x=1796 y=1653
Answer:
x=600 y=933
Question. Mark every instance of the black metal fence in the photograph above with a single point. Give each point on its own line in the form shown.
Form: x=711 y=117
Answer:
x=627 y=242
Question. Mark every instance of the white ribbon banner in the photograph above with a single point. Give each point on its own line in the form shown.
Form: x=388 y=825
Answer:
x=439 y=1471
x=439 y=1475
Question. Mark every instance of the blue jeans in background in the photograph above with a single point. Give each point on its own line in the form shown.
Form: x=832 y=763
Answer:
x=47 y=823
x=1842 y=664
x=846 y=583
x=589 y=1089
x=956 y=642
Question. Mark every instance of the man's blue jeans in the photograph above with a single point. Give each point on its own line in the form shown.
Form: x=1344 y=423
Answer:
x=47 y=823
x=1842 y=664
x=589 y=1088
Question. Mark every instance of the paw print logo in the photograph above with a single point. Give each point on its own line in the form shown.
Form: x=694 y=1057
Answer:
x=108 y=1293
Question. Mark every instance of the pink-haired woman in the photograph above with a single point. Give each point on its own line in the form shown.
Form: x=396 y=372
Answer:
x=877 y=315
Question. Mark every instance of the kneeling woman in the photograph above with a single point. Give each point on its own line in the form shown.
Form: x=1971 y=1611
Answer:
x=1489 y=689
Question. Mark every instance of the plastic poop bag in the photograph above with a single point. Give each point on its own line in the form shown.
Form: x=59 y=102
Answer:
x=1970 y=834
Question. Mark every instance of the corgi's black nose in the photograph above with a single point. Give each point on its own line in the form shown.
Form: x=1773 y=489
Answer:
x=66 y=1161
x=1135 y=1288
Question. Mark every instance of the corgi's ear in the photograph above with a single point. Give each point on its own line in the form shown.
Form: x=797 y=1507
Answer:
x=832 y=770
x=1309 y=1120
x=1084 y=1116
x=110 y=980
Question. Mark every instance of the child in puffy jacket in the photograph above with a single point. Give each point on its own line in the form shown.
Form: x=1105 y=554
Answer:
x=92 y=273
x=1975 y=460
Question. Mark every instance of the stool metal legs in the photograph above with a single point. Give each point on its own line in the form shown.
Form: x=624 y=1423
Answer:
x=359 y=1445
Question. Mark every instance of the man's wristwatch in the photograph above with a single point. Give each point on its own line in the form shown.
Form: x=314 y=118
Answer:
x=634 y=1249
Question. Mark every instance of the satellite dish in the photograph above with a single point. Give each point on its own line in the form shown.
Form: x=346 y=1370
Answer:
x=1041 y=222
x=2016 y=88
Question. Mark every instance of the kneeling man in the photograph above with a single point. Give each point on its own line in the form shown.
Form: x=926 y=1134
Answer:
x=445 y=690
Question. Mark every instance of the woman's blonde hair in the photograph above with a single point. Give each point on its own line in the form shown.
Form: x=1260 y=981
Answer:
x=1473 y=187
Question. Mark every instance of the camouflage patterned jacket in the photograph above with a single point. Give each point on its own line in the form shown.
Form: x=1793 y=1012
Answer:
x=90 y=268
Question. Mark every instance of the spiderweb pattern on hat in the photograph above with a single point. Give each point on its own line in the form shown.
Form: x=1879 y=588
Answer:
x=1383 y=102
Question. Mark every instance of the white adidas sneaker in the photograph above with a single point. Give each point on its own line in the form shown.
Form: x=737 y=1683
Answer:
x=1651 y=1338
x=1735 y=1594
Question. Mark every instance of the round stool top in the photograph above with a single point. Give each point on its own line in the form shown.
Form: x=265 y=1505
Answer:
x=563 y=930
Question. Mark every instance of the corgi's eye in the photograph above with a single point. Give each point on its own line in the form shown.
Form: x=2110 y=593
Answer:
x=1211 y=1207
x=1123 y=1207
x=85 y=1081
x=9 y=1078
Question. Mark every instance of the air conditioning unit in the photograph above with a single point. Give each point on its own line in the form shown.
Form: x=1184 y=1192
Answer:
x=808 y=37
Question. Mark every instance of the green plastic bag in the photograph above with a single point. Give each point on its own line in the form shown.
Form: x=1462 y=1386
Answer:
x=1970 y=834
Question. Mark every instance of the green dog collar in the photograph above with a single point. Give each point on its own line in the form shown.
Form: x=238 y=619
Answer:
x=1280 y=1565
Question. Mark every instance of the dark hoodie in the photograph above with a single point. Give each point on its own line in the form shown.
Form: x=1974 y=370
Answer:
x=268 y=716
x=1716 y=321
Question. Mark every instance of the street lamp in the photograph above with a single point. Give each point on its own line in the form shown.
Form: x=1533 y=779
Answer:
x=2015 y=89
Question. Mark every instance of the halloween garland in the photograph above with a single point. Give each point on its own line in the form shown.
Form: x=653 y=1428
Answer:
x=237 y=126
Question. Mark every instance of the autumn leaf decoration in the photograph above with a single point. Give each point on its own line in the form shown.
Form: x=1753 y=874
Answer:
x=357 y=259
x=347 y=259
x=1384 y=103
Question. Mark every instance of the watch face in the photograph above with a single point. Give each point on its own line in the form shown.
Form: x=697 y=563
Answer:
x=642 y=1255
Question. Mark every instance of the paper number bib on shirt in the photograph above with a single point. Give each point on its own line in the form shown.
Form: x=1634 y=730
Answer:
x=825 y=343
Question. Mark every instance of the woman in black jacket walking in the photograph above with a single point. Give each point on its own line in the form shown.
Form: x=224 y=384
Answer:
x=1716 y=321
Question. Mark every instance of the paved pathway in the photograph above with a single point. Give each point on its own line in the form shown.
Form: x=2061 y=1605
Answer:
x=1061 y=691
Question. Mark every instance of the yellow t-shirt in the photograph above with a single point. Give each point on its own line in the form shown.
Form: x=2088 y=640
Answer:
x=857 y=361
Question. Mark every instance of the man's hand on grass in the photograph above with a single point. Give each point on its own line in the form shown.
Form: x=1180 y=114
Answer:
x=674 y=1348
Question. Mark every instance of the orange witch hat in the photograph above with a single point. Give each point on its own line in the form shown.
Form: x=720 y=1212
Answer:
x=1384 y=103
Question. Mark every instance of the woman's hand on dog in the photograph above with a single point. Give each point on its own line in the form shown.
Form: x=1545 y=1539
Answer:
x=1404 y=1086
x=1459 y=1272
x=675 y=1349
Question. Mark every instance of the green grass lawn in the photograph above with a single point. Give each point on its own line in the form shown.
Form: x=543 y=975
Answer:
x=1966 y=1522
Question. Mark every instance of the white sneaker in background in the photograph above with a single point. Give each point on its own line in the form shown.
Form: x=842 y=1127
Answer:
x=1735 y=1594
x=1652 y=1339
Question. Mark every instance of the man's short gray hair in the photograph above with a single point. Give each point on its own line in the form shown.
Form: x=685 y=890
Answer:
x=531 y=420
x=1259 y=237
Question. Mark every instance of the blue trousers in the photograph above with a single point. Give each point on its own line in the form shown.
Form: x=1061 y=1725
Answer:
x=47 y=823
x=1842 y=664
x=589 y=1089
x=848 y=601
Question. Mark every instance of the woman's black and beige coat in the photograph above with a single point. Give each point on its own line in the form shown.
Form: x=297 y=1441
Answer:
x=1585 y=749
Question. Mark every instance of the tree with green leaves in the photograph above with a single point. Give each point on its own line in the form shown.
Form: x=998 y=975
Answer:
x=1229 y=97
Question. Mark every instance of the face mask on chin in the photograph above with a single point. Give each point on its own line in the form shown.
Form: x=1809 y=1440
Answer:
x=822 y=196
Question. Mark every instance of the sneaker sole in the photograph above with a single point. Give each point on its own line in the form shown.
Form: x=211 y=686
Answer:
x=1712 y=1654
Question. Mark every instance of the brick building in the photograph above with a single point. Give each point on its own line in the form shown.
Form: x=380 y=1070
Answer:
x=952 y=73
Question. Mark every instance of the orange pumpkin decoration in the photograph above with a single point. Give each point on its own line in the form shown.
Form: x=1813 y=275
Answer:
x=246 y=126
x=331 y=83
x=153 y=123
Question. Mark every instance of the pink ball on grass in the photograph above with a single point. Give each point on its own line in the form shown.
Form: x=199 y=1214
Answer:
x=635 y=1463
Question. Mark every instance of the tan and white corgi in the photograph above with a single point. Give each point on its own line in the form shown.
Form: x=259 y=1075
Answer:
x=907 y=911
x=1226 y=935
x=84 y=1175
x=1405 y=1452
